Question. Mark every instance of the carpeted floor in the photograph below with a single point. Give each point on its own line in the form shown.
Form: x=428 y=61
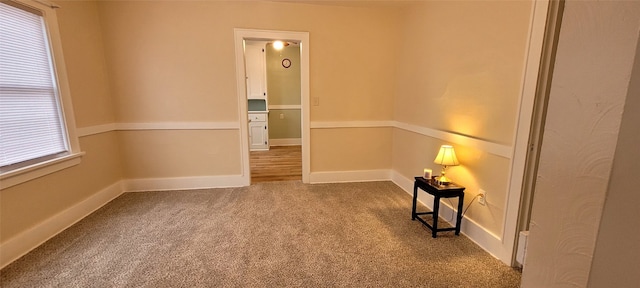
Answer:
x=272 y=234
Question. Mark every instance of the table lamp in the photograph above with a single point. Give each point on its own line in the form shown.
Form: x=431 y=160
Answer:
x=446 y=157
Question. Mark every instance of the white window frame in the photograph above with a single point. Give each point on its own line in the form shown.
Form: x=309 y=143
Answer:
x=39 y=169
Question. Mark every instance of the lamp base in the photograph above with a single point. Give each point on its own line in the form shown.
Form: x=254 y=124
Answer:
x=443 y=180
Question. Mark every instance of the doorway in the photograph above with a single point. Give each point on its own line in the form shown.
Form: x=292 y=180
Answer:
x=299 y=38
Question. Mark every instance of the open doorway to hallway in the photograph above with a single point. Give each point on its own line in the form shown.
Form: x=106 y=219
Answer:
x=274 y=103
x=274 y=109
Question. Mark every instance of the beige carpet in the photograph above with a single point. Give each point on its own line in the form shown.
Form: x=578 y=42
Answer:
x=272 y=234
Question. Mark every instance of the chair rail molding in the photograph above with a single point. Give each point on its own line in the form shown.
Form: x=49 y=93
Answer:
x=103 y=128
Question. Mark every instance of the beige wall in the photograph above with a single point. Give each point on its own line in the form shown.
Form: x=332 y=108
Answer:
x=351 y=149
x=460 y=71
x=84 y=56
x=353 y=63
x=179 y=153
x=173 y=61
x=593 y=65
x=461 y=66
x=168 y=62
x=26 y=205
x=617 y=253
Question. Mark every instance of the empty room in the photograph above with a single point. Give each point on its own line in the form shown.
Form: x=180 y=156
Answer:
x=436 y=143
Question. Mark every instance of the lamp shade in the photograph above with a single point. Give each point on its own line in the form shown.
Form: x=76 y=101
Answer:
x=446 y=156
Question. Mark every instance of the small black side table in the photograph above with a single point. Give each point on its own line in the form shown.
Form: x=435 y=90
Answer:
x=438 y=191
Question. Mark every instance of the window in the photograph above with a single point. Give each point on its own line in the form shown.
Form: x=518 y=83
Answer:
x=33 y=133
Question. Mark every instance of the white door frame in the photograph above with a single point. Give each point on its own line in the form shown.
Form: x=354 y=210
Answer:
x=251 y=34
x=533 y=56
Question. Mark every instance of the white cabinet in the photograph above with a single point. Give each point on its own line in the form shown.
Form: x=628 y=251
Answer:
x=258 y=131
x=256 y=73
x=256 y=70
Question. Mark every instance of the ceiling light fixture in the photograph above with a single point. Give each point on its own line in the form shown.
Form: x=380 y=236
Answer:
x=278 y=45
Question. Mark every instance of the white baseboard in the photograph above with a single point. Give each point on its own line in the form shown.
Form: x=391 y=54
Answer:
x=28 y=240
x=185 y=183
x=285 y=142
x=521 y=250
x=350 y=176
x=474 y=231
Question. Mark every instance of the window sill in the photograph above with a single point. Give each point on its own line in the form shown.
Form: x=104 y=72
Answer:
x=15 y=177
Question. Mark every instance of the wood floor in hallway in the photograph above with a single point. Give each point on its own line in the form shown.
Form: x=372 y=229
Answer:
x=280 y=163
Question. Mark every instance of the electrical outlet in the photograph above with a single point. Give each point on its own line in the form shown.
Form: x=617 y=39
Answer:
x=482 y=197
x=281 y=115
x=316 y=101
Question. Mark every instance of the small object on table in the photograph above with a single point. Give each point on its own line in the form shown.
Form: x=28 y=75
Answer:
x=438 y=191
x=427 y=173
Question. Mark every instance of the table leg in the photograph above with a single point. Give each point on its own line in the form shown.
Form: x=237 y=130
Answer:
x=459 y=220
x=436 y=208
x=415 y=199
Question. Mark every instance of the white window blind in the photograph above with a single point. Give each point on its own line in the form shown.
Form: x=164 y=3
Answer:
x=31 y=124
